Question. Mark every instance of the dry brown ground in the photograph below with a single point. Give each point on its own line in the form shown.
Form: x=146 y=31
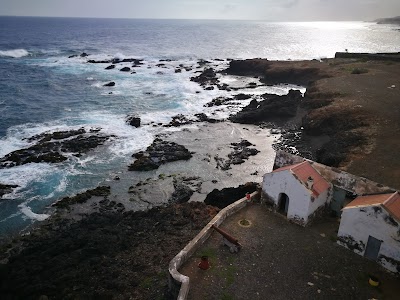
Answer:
x=366 y=104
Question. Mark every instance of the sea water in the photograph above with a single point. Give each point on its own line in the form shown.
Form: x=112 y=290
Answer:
x=43 y=90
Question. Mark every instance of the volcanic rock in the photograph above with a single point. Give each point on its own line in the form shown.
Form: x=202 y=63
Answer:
x=273 y=108
x=6 y=189
x=133 y=121
x=158 y=153
x=226 y=196
x=125 y=69
x=110 y=67
x=53 y=147
x=111 y=83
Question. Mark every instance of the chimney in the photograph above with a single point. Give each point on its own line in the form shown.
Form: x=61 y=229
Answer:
x=310 y=183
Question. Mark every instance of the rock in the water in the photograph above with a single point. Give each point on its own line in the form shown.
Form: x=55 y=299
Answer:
x=110 y=67
x=100 y=191
x=178 y=120
x=111 y=83
x=202 y=117
x=84 y=54
x=6 y=189
x=53 y=147
x=241 y=152
x=226 y=196
x=133 y=121
x=125 y=69
x=207 y=77
x=158 y=153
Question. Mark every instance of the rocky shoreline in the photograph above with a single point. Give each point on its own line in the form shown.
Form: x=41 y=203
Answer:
x=105 y=249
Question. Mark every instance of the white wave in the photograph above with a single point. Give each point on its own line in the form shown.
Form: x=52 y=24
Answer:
x=16 y=53
x=26 y=174
x=27 y=211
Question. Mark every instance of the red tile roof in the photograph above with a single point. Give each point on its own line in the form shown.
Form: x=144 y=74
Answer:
x=391 y=202
x=303 y=171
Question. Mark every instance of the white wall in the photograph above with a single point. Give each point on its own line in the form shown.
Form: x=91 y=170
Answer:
x=299 y=195
x=362 y=222
x=321 y=200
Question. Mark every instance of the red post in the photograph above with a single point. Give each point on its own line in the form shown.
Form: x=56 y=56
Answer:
x=204 y=264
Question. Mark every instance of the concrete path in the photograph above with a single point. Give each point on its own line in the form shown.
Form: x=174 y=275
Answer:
x=280 y=260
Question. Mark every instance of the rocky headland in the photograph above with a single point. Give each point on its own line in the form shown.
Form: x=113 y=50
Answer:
x=115 y=241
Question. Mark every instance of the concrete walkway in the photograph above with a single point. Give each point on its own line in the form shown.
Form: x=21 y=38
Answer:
x=280 y=260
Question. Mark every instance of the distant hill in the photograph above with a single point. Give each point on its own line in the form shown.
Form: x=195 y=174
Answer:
x=394 y=20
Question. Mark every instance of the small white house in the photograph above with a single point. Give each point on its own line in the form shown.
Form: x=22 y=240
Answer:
x=370 y=226
x=297 y=191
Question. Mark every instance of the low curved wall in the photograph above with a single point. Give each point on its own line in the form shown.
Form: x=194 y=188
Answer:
x=179 y=283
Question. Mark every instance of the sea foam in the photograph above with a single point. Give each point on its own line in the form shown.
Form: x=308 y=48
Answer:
x=16 y=53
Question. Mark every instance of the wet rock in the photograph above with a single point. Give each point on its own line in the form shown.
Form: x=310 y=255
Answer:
x=66 y=202
x=226 y=196
x=178 y=70
x=242 y=97
x=6 y=189
x=53 y=147
x=178 y=120
x=111 y=83
x=125 y=69
x=103 y=256
x=84 y=54
x=207 y=77
x=158 y=153
x=182 y=192
x=241 y=152
x=218 y=101
x=273 y=108
x=72 y=56
x=133 y=121
x=110 y=67
x=202 y=117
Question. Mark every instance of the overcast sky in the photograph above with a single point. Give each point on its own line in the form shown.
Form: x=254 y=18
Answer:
x=274 y=10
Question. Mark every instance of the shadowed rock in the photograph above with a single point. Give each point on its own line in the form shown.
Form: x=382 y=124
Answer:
x=158 y=153
x=226 y=196
x=273 y=108
x=6 y=189
x=53 y=147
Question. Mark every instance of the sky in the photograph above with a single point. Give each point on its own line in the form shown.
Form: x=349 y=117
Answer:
x=271 y=10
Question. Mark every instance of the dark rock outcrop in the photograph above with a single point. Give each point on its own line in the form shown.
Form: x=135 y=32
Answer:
x=202 y=117
x=178 y=120
x=240 y=153
x=226 y=196
x=218 y=101
x=66 y=202
x=273 y=108
x=52 y=147
x=125 y=69
x=111 y=83
x=110 y=67
x=6 y=189
x=103 y=256
x=206 y=78
x=133 y=121
x=158 y=153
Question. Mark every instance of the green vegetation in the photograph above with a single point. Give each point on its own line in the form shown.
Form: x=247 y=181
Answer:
x=359 y=71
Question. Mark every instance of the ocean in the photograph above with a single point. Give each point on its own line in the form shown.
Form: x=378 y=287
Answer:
x=43 y=89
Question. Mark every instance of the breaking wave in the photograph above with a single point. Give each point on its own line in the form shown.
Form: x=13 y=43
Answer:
x=16 y=53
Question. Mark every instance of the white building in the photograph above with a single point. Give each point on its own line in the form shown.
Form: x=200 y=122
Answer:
x=297 y=191
x=370 y=226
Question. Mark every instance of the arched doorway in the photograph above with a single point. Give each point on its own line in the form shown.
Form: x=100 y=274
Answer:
x=283 y=203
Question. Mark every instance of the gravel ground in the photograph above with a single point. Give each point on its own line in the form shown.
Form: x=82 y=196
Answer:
x=280 y=260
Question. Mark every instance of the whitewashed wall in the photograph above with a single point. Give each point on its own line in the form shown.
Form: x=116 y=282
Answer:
x=361 y=222
x=299 y=195
x=321 y=200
